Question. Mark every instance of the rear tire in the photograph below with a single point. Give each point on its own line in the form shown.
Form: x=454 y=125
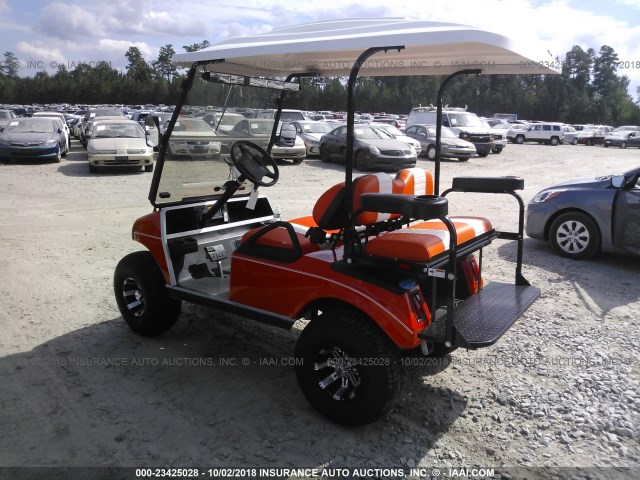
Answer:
x=431 y=152
x=574 y=141
x=347 y=367
x=142 y=297
x=483 y=154
x=93 y=169
x=554 y=141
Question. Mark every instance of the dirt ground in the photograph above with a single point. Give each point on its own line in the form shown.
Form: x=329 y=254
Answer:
x=80 y=389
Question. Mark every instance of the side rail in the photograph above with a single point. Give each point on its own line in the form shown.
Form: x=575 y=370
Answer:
x=502 y=185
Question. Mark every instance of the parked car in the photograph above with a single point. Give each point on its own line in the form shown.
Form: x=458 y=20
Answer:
x=499 y=131
x=584 y=217
x=5 y=117
x=396 y=133
x=451 y=145
x=570 y=135
x=627 y=128
x=592 y=136
x=29 y=137
x=220 y=123
x=193 y=138
x=90 y=116
x=150 y=124
x=548 y=133
x=63 y=124
x=287 y=115
x=310 y=132
x=258 y=130
x=119 y=143
x=372 y=149
x=466 y=125
x=623 y=139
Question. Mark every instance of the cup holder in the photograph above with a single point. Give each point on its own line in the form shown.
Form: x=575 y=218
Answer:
x=426 y=207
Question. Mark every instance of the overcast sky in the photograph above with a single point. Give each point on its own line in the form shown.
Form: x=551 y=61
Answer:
x=45 y=33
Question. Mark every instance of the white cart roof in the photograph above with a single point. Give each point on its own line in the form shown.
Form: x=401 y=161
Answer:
x=331 y=48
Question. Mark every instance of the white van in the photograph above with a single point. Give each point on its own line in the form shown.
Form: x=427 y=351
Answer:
x=287 y=115
x=466 y=124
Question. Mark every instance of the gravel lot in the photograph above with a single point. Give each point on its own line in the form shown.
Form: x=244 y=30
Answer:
x=80 y=389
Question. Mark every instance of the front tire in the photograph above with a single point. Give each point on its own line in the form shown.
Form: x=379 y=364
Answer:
x=347 y=368
x=148 y=168
x=483 y=154
x=324 y=154
x=623 y=145
x=359 y=161
x=575 y=235
x=520 y=139
x=142 y=297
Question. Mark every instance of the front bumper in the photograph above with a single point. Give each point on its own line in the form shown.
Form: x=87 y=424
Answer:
x=288 y=153
x=46 y=152
x=120 y=160
x=457 y=152
x=536 y=218
x=385 y=162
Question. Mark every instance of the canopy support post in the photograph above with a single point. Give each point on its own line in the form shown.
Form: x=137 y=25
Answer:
x=348 y=183
x=443 y=86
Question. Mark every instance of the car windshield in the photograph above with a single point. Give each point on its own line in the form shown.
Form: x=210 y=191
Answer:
x=31 y=125
x=369 y=133
x=118 y=130
x=192 y=125
x=315 y=127
x=390 y=129
x=464 y=119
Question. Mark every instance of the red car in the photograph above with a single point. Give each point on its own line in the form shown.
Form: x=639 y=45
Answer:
x=592 y=136
x=377 y=268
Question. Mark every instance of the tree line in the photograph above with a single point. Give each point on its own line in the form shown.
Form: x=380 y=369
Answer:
x=590 y=89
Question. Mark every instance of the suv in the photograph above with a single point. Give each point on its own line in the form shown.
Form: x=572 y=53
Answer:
x=466 y=124
x=549 y=133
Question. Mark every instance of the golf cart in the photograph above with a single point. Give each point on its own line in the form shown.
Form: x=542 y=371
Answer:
x=378 y=267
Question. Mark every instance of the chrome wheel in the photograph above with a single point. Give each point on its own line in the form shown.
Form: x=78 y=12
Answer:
x=134 y=296
x=337 y=374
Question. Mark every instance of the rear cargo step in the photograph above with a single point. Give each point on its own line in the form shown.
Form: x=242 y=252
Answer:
x=483 y=318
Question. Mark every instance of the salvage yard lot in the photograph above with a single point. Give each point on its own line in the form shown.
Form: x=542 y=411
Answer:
x=562 y=388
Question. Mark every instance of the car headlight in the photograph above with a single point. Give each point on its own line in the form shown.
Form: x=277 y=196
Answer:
x=546 y=195
x=412 y=149
x=374 y=150
x=51 y=142
x=312 y=142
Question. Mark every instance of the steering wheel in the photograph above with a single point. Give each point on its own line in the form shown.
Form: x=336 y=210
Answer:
x=254 y=163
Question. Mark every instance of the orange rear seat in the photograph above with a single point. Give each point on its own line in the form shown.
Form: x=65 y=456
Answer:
x=423 y=241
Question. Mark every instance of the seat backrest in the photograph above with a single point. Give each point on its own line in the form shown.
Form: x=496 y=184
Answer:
x=415 y=181
x=330 y=213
